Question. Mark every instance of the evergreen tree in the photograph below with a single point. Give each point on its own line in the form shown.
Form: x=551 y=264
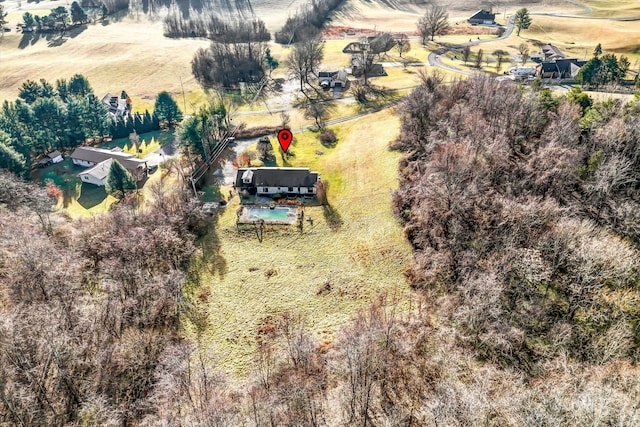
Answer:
x=77 y=121
x=97 y=117
x=597 y=51
x=50 y=123
x=167 y=109
x=79 y=85
x=30 y=91
x=138 y=123
x=522 y=20
x=148 y=121
x=60 y=14
x=46 y=89
x=119 y=180
x=62 y=88
x=271 y=62
x=10 y=159
x=78 y=15
x=28 y=20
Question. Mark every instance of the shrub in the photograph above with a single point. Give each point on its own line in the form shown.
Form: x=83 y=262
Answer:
x=328 y=137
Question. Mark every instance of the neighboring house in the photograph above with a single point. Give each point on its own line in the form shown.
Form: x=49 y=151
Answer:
x=565 y=68
x=117 y=106
x=53 y=157
x=325 y=77
x=98 y=174
x=269 y=181
x=91 y=156
x=550 y=52
x=328 y=79
x=483 y=17
x=339 y=79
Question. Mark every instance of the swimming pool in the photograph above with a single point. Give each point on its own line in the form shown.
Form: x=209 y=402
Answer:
x=276 y=215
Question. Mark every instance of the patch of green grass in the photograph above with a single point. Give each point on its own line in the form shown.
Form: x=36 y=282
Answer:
x=355 y=244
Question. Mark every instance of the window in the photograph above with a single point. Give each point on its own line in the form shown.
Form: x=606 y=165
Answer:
x=265 y=190
x=290 y=189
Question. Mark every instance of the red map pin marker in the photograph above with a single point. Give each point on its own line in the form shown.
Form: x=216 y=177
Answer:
x=284 y=138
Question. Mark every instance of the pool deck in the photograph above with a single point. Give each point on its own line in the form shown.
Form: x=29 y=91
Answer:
x=258 y=214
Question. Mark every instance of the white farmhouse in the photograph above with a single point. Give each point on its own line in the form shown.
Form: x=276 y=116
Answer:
x=268 y=181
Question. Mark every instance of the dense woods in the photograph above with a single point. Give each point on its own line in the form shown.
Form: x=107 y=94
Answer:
x=88 y=307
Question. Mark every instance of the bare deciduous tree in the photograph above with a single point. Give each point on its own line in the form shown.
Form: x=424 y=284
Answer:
x=434 y=22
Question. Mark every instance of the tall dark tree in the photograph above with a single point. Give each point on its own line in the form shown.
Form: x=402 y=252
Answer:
x=78 y=15
x=30 y=91
x=119 y=180
x=79 y=85
x=3 y=19
x=10 y=159
x=60 y=14
x=435 y=21
x=167 y=109
x=28 y=20
x=522 y=20
x=270 y=61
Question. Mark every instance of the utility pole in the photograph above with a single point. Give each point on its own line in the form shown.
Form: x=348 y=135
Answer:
x=184 y=100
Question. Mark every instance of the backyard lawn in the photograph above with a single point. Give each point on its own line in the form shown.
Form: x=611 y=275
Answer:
x=353 y=252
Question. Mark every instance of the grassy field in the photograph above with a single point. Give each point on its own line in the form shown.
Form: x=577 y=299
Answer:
x=356 y=245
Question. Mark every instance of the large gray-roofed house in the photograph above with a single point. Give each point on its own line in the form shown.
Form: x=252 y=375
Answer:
x=269 y=180
x=91 y=156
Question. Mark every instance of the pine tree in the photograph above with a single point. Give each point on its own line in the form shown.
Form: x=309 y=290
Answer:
x=119 y=180
x=167 y=109
x=10 y=159
x=522 y=20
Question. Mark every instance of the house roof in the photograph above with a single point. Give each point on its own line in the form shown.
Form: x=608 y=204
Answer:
x=54 y=154
x=551 y=51
x=279 y=177
x=99 y=171
x=97 y=155
x=483 y=15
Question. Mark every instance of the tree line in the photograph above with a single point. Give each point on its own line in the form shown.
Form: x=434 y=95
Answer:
x=208 y=24
x=307 y=22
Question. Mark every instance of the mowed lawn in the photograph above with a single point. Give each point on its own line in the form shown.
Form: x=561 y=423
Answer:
x=130 y=54
x=355 y=246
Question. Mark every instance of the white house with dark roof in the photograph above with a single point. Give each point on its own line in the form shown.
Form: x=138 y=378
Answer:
x=269 y=180
x=92 y=156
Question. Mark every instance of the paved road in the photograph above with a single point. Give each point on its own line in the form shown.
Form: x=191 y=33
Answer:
x=434 y=57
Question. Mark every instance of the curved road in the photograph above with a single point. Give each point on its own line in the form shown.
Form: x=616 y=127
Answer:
x=434 y=57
